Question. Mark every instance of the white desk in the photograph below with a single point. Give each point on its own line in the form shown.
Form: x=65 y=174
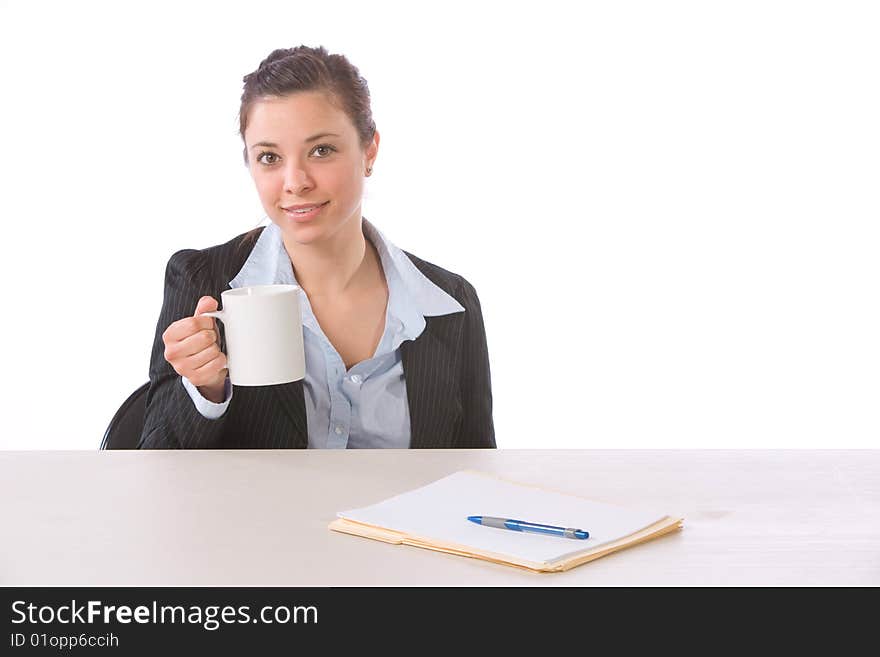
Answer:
x=259 y=518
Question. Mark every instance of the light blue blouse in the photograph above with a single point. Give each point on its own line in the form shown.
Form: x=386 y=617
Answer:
x=366 y=406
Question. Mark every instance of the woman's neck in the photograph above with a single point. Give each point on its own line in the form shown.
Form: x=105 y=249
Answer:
x=341 y=265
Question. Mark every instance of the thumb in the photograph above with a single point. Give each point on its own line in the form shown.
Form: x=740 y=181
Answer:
x=205 y=305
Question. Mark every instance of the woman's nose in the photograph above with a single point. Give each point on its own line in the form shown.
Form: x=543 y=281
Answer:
x=296 y=178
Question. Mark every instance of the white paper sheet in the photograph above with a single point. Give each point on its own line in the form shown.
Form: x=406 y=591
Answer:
x=439 y=512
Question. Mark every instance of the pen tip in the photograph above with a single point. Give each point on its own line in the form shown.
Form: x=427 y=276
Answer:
x=475 y=519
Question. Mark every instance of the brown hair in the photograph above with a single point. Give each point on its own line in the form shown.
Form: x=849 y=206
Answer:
x=289 y=70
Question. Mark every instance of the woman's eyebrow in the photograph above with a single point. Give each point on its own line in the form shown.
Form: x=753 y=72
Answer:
x=270 y=144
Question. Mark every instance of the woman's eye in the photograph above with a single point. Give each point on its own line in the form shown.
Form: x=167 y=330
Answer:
x=272 y=155
x=326 y=146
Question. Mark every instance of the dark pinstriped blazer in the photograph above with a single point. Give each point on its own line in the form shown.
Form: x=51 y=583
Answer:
x=446 y=370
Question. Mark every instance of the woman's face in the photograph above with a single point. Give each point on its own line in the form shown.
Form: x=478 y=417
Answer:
x=304 y=150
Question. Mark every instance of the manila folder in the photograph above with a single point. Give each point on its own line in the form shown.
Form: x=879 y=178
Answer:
x=435 y=517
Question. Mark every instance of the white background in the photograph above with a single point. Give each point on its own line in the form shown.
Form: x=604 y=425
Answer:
x=669 y=209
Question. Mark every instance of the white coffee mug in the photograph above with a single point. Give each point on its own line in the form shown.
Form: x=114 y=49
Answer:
x=264 y=334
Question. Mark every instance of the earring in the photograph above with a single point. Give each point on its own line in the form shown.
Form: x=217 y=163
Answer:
x=369 y=170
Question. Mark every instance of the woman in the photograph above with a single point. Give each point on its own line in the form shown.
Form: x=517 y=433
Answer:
x=395 y=346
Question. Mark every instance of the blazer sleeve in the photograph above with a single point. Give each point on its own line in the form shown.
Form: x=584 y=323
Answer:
x=172 y=420
x=477 y=428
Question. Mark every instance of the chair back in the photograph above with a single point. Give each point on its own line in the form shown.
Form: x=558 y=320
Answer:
x=124 y=431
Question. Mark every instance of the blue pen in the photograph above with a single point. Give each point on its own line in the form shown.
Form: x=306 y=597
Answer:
x=523 y=526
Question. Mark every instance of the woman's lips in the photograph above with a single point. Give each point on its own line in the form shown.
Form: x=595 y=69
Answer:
x=305 y=216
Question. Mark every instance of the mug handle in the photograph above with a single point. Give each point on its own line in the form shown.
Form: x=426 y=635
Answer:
x=217 y=314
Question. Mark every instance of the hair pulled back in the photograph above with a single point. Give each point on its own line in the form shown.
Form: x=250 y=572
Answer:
x=290 y=70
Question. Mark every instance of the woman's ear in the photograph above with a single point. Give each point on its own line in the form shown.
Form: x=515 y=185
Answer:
x=372 y=151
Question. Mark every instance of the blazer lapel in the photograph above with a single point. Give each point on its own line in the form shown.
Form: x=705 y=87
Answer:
x=430 y=363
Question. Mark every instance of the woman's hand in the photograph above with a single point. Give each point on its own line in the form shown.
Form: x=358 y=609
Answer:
x=192 y=347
